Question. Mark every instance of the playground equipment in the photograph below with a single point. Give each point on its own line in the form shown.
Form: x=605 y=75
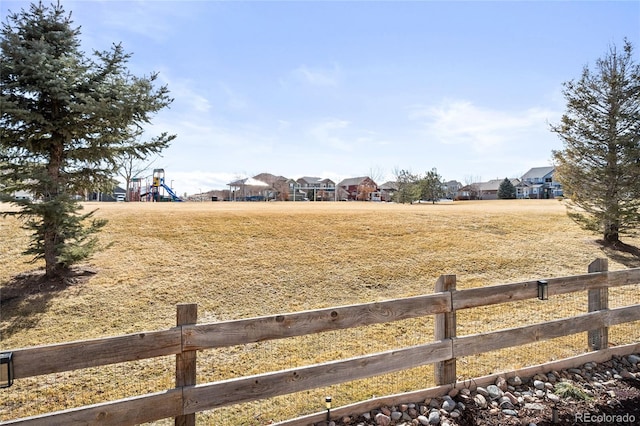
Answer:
x=158 y=182
x=139 y=191
x=135 y=189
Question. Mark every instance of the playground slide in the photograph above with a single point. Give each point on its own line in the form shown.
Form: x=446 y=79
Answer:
x=174 y=197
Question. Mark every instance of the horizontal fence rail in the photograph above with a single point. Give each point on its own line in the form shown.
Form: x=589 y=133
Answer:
x=57 y=358
x=479 y=343
x=238 y=332
x=245 y=389
x=184 y=340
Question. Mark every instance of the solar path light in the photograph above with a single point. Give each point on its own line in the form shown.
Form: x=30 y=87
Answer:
x=327 y=401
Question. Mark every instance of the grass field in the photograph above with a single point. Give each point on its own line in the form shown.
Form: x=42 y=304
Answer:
x=239 y=260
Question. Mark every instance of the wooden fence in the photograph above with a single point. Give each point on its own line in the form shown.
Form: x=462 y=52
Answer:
x=188 y=337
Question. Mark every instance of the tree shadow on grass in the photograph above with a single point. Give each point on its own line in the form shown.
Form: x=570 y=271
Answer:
x=623 y=253
x=29 y=294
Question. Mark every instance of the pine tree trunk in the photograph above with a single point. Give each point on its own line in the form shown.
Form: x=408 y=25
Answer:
x=611 y=235
x=52 y=266
x=51 y=218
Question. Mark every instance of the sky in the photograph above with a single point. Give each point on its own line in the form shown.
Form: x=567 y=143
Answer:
x=337 y=89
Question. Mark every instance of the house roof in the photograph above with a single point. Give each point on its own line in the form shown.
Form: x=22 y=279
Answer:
x=538 y=172
x=270 y=179
x=310 y=179
x=389 y=186
x=314 y=180
x=494 y=184
x=354 y=181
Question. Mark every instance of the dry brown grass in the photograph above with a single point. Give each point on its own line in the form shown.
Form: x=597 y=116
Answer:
x=239 y=260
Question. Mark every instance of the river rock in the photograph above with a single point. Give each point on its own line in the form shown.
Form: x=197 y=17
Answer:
x=382 y=419
x=515 y=381
x=494 y=392
x=448 y=404
x=423 y=420
x=480 y=401
x=553 y=397
x=505 y=403
x=534 y=406
x=501 y=383
x=482 y=391
x=512 y=398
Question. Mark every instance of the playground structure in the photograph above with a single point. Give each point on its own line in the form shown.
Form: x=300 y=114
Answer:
x=153 y=192
x=158 y=182
x=135 y=189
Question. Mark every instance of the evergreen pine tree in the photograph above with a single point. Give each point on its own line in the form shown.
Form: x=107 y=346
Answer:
x=506 y=190
x=408 y=190
x=599 y=166
x=431 y=186
x=65 y=120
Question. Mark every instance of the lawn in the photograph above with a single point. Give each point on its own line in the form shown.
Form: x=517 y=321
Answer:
x=240 y=260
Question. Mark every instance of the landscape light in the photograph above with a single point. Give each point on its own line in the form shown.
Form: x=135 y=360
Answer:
x=327 y=401
x=6 y=369
x=543 y=290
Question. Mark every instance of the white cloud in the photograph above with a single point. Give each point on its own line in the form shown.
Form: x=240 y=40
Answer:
x=323 y=77
x=461 y=122
x=284 y=124
x=235 y=101
x=186 y=98
x=150 y=20
x=194 y=182
x=330 y=133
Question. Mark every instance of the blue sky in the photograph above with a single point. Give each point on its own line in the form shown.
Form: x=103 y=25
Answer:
x=339 y=89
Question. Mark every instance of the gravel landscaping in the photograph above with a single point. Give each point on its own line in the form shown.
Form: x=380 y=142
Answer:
x=604 y=394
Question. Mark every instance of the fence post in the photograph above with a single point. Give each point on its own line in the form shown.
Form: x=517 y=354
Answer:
x=187 y=313
x=598 y=300
x=445 y=328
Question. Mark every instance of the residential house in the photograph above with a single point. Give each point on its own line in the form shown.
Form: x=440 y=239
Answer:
x=538 y=182
x=483 y=190
x=451 y=189
x=360 y=189
x=117 y=194
x=388 y=190
x=317 y=189
x=280 y=185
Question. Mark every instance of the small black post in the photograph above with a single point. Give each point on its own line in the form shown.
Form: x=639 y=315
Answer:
x=327 y=400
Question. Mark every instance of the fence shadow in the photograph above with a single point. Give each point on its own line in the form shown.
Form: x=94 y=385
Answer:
x=29 y=293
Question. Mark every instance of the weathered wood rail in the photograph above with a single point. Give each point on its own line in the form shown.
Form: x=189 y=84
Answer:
x=187 y=338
